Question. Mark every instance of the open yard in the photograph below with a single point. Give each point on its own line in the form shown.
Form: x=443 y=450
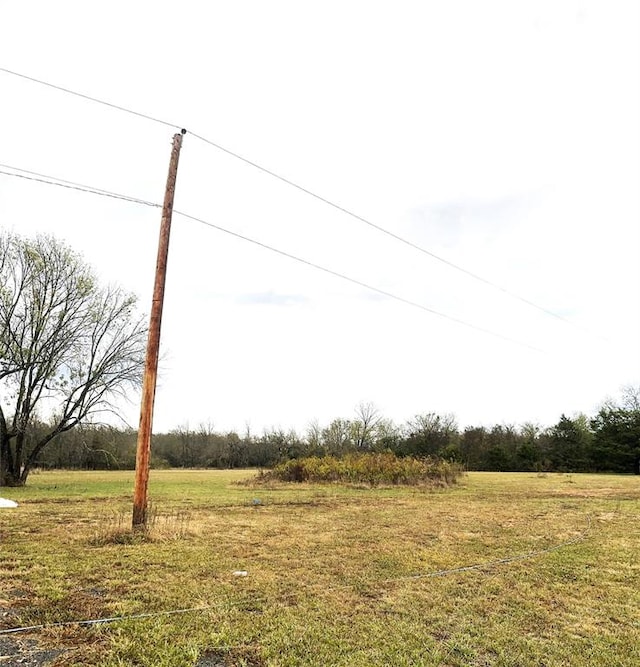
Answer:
x=335 y=575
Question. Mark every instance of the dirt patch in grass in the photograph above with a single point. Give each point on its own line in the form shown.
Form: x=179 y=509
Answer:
x=16 y=652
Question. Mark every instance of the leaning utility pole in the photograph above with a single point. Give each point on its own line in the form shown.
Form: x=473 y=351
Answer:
x=153 y=347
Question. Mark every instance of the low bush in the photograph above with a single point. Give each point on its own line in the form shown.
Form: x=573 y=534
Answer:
x=372 y=469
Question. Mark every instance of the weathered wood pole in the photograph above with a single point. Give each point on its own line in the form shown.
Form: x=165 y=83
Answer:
x=153 y=346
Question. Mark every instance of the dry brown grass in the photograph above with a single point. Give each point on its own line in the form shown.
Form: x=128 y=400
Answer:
x=329 y=572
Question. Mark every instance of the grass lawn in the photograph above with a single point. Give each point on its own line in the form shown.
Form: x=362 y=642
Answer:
x=336 y=576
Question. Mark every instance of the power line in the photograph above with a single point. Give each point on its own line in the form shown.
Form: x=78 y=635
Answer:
x=51 y=180
x=63 y=180
x=301 y=188
x=355 y=281
x=90 y=98
x=98 y=191
x=383 y=230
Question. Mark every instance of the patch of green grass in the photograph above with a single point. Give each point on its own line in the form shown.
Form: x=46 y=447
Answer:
x=329 y=571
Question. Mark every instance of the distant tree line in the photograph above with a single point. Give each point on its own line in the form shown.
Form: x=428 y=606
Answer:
x=69 y=348
x=609 y=441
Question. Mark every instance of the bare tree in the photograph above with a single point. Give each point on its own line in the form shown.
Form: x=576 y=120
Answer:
x=313 y=435
x=68 y=347
x=364 y=426
x=631 y=398
x=430 y=434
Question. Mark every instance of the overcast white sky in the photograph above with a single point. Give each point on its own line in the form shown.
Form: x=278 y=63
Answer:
x=502 y=136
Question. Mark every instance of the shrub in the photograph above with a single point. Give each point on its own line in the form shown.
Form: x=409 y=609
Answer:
x=373 y=469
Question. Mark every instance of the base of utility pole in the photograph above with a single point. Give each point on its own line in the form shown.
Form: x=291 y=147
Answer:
x=139 y=522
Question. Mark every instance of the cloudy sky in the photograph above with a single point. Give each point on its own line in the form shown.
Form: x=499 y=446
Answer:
x=501 y=136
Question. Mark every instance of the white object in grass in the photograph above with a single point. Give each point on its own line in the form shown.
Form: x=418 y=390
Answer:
x=240 y=573
x=5 y=502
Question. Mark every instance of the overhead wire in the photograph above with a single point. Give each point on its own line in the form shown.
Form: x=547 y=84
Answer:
x=52 y=180
x=90 y=98
x=383 y=230
x=49 y=180
x=318 y=197
x=360 y=283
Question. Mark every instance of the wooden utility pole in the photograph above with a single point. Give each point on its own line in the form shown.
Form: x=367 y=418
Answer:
x=153 y=347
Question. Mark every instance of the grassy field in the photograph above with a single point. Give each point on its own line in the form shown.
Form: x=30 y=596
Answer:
x=336 y=576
